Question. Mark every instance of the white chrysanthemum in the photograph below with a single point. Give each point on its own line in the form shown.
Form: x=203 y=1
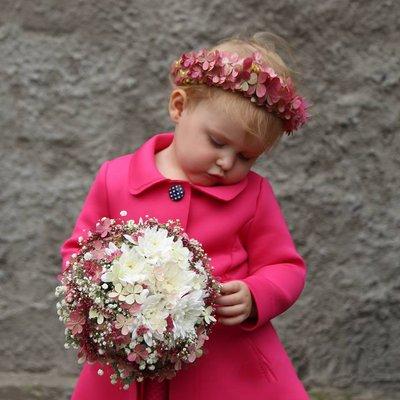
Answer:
x=207 y=315
x=155 y=245
x=200 y=278
x=132 y=263
x=136 y=322
x=179 y=253
x=186 y=313
x=176 y=282
x=148 y=338
x=154 y=313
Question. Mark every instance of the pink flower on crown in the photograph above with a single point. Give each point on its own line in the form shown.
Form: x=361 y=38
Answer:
x=228 y=57
x=210 y=59
x=230 y=73
x=230 y=82
x=188 y=59
x=299 y=114
x=273 y=91
x=227 y=69
x=195 y=72
x=247 y=64
x=218 y=79
x=256 y=84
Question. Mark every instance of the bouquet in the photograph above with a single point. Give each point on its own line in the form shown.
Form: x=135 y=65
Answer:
x=139 y=297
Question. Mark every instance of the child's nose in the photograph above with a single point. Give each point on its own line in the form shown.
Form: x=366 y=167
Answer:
x=226 y=162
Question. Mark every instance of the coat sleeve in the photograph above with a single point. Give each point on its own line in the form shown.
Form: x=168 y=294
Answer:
x=94 y=207
x=277 y=272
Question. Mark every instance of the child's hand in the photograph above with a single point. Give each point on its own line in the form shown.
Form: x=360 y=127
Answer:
x=237 y=301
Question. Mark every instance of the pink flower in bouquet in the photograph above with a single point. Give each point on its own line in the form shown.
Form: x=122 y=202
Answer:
x=98 y=251
x=192 y=353
x=93 y=270
x=139 y=352
x=131 y=308
x=118 y=338
x=103 y=227
x=123 y=323
x=76 y=322
x=69 y=296
x=86 y=353
x=111 y=257
x=141 y=330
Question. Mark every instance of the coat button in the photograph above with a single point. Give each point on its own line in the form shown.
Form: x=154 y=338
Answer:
x=176 y=192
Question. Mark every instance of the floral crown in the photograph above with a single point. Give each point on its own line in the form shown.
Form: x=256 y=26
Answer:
x=249 y=76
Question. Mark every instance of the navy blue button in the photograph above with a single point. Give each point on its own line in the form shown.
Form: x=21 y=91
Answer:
x=176 y=192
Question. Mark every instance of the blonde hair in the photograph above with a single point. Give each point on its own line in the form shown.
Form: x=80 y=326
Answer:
x=254 y=119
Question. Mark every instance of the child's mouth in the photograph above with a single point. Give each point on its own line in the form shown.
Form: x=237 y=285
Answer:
x=214 y=176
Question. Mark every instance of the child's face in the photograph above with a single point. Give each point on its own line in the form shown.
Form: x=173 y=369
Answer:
x=208 y=141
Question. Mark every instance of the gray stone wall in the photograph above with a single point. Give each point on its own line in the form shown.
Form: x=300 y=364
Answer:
x=86 y=81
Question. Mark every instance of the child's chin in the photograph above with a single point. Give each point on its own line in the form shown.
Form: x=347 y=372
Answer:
x=213 y=178
x=205 y=179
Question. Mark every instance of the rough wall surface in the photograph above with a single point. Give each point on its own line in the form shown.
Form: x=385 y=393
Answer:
x=85 y=81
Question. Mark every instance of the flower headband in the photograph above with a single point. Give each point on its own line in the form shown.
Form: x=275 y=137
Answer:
x=249 y=76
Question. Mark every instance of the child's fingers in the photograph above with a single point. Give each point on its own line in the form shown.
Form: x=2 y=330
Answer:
x=231 y=311
x=231 y=287
x=229 y=299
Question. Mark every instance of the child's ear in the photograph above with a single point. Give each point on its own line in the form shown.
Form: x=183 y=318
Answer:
x=177 y=103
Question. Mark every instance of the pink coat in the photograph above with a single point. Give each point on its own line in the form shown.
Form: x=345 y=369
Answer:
x=243 y=230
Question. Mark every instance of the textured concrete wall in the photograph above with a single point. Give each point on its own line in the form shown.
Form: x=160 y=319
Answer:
x=85 y=81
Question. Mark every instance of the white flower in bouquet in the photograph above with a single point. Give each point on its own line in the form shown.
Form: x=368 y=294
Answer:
x=187 y=312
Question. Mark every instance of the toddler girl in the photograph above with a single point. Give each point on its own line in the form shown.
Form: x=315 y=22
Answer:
x=229 y=105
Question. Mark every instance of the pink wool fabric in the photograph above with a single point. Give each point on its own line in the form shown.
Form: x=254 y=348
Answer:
x=243 y=230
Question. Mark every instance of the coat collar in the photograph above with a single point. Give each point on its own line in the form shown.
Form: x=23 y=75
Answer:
x=143 y=172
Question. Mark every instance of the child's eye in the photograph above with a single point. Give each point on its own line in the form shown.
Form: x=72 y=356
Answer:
x=214 y=142
x=244 y=158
